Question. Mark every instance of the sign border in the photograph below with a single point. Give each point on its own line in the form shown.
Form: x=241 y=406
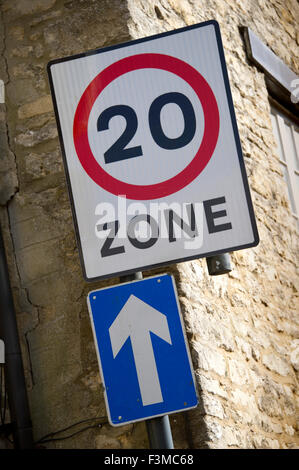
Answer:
x=185 y=339
x=236 y=136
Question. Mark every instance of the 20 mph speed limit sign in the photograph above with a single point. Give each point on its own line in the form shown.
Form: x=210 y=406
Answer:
x=152 y=152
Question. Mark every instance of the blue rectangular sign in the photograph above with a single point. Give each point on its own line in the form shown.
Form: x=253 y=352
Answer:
x=143 y=355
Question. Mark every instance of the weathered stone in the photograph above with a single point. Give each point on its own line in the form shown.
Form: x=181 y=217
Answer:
x=212 y=386
x=214 y=428
x=255 y=353
x=270 y=426
x=294 y=356
x=24 y=51
x=40 y=106
x=26 y=7
x=232 y=437
x=238 y=372
x=46 y=16
x=39 y=165
x=38 y=260
x=276 y=364
x=268 y=403
x=105 y=442
x=17 y=32
x=289 y=430
x=212 y=406
x=213 y=330
x=209 y=359
x=256 y=376
x=289 y=401
x=31 y=138
x=245 y=347
x=242 y=417
x=244 y=400
x=262 y=442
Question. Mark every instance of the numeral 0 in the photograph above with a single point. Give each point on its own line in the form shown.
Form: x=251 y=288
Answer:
x=118 y=152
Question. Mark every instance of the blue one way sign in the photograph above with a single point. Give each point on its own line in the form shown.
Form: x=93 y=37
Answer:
x=144 y=359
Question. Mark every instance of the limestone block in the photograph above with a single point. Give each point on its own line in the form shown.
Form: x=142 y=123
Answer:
x=242 y=417
x=44 y=17
x=269 y=403
x=245 y=347
x=238 y=372
x=22 y=70
x=212 y=329
x=137 y=438
x=288 y=401
x=212 y=406
x=22 y=51
x=40 y=106
x=17 y=32
x=40 y=165
x=289 y=430
x=244 y=400
x=39 y=218
x=212 y=386
x=270 y=426
x=105 y=442
x=30 y=138
x=276 y=364
x=232 y=437
x=262 y=442
x=15 y=8
x=214 y=428
x=295 y=354
x=209 y=359
x=38 y=260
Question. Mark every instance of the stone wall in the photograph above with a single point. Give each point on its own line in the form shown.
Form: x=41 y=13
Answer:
x=242 y=328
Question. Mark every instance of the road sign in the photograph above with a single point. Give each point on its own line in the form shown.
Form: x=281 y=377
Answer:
x=143 y=355
x=152 y=152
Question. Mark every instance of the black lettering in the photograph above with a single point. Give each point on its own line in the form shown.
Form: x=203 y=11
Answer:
x=210 y=215
x=173 y=217
x=118 y=151
x=106 y=249
x=154 y=231
x=154 y=118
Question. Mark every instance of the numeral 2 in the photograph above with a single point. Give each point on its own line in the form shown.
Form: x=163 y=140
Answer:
x=118 y=152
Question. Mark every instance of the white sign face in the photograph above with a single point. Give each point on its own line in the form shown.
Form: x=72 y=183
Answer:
x=152 y=152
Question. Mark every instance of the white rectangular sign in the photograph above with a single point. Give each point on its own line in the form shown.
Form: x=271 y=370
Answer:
x=152 y=152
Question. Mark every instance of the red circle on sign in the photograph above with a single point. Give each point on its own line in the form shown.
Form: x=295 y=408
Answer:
x=199 y=161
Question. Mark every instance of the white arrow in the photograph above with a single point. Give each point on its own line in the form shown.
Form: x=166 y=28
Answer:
x=135 y=320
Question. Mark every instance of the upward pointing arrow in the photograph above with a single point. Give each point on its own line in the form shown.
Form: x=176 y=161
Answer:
x=135 y=320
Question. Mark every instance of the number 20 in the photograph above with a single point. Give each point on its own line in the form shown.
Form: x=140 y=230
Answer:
x=118 y=152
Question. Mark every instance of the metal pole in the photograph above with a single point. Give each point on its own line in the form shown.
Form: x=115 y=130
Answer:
x=14 y=371
x=158 y=429
x=159 y=433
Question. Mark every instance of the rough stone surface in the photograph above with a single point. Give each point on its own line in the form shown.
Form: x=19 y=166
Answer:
x=243 y=328
x=40 y=106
